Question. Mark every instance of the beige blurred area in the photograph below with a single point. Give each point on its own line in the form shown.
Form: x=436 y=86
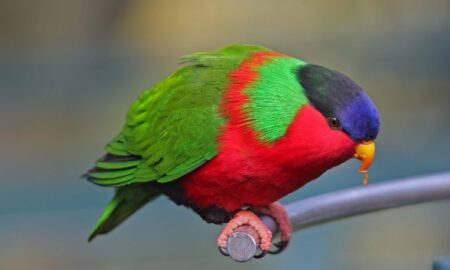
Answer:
x=181 y=26
x=172 y=28
x=69 y=69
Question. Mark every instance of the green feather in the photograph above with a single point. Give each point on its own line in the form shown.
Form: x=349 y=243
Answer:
x=174 y=126
x=276 y=97
x=126 y=201
x=117 y=147
x=117 y=165
x=111 y=174
x=115 y=182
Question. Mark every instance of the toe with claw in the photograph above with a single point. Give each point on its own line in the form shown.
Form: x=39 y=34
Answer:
x=278 y=213
x=245 y=217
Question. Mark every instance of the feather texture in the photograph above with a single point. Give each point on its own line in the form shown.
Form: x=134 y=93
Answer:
x=235 y=126
x=126 y=201
x=173 y=127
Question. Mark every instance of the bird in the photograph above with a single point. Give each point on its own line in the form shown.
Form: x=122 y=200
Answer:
x=230 y=133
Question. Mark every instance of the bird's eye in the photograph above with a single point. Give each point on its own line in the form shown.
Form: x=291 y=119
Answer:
x=334 y=123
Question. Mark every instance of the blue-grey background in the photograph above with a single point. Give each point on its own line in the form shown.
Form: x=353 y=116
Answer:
x=70 y=69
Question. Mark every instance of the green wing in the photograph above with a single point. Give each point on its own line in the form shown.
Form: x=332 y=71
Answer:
x=172 y=129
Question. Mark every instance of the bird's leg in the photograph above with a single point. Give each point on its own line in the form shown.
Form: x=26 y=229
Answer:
x=278 y=213
x=245 y=217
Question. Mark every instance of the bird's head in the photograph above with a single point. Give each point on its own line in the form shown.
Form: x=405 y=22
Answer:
x=345 y=106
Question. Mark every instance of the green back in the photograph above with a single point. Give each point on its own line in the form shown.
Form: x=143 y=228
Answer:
x=172 y=128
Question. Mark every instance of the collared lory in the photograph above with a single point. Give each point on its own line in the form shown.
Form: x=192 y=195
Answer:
x=232 y=132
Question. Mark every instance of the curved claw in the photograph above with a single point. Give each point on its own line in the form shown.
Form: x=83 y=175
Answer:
x=260 y=255
x=223 y=251
x=280 y=246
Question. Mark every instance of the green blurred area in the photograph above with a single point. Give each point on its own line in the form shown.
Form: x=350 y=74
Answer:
x=70 y=69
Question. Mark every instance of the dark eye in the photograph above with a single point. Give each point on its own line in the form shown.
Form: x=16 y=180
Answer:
x=334 y=123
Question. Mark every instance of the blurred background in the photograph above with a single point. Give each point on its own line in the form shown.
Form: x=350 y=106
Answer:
x=70 y=69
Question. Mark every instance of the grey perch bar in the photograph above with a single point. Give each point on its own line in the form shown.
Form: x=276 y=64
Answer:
x=242 y=245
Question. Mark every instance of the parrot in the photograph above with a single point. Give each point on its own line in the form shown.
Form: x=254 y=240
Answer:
x=229 y=134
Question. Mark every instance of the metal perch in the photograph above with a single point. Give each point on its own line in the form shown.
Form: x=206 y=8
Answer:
x=242 y=245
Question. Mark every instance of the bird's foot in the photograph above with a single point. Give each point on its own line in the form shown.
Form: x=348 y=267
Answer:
x=245 y=217
x=278 y=213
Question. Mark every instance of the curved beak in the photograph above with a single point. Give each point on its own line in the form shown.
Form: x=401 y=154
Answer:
x=365 y=152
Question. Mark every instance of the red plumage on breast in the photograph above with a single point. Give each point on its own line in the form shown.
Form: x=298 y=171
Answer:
x=250 y=172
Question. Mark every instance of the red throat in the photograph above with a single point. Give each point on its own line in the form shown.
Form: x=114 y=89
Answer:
x=311 y=143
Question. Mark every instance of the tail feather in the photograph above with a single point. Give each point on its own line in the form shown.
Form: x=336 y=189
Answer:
x=127 y=200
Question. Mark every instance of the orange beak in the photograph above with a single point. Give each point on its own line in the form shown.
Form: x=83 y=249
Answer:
x=365 y=152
